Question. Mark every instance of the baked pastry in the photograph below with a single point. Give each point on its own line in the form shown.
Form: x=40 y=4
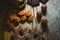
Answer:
x=28 y=13
x=30 y=19
x=14 y=20
x=9 y=24
x=17 y=19
x=23 y=18
x=44 y=9
x=21 y=13
x=12 y=17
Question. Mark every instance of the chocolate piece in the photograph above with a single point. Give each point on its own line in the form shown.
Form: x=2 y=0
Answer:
x=44 y=25
x=39 y=15
x=44 y=9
